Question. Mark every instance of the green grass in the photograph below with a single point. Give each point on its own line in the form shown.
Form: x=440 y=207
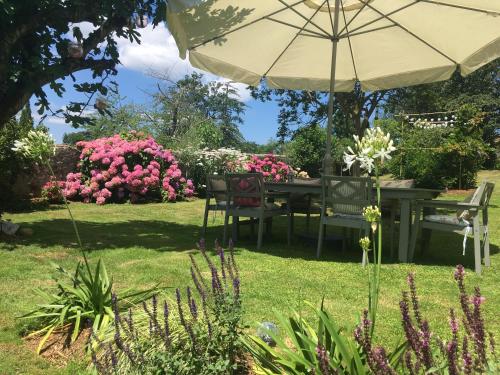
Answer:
x=147 y=244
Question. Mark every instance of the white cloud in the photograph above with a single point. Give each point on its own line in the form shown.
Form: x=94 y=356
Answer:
x=158 y=53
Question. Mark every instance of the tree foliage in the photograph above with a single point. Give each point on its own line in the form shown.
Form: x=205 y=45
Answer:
x=480 y=91
x=303 y=108
x=42 y=42
x=190 y=102
x=440 y=157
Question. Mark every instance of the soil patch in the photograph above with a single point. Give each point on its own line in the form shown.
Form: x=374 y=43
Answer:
x=58 y=349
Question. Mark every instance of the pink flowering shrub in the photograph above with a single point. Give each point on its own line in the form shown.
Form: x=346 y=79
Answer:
x=123 y=167
x=271 y=168
x=52 y=191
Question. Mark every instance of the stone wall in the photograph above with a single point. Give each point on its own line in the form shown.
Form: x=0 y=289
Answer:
x=63 y=162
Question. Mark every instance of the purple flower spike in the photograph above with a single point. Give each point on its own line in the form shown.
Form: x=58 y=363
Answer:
x=324 y=362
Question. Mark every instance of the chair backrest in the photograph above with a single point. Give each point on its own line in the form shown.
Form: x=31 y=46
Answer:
x=216 y=187
x=347 y=195
x=482 y=194
x=245 y=189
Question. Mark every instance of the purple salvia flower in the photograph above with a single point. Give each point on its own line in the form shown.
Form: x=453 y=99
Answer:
x=199 y=287
x=123 y=346
x=223 y=265
x=466 y=358
x=453 y=324
x=382 y=363
x=98 y=366
x=409 y=363
x=452 y=357
x=478 y=327
x=201 y=245
x=205 y=315
x=216 y=285
x=323 y=360
x=197 y=271
x=114 y=306
x=366 y=330
x=231 y=256
x=452 y=347
x=192 y=304
x=425 y=344
x=236 y=289
x=166 y=313
x=153 y=321
x=410 y=332
x=414 y=299
x=182 y=319
x=114 y=360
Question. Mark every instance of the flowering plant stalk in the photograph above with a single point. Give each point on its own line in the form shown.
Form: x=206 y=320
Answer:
x=371 y=152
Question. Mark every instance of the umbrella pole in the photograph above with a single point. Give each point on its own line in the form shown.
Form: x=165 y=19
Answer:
x=328 y=160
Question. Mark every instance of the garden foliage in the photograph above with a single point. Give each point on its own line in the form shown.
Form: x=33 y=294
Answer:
x=200 y=163
x=331 y=349
x=199 y=333
x=82 y=298
x=121 y=167
x=440 y=157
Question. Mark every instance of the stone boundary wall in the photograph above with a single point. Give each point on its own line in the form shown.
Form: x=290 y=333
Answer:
x=29 y=185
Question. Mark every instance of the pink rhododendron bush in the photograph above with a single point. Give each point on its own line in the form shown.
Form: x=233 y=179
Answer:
x=126 y=167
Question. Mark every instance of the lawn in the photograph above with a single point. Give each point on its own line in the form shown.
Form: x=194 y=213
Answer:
x=147 y=244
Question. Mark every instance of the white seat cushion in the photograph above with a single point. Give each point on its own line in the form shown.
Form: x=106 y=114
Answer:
x=445 y=219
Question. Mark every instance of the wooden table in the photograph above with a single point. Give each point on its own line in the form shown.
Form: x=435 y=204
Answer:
x=405 y=197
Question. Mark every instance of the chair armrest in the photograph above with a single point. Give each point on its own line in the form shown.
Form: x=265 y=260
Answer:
x=446 y=204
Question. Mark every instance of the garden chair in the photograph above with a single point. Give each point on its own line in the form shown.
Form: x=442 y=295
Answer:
x=216 y=190
x=305 y=204
x=465 y=221
x=392 y=206
x=249 y=198
x=345 y=197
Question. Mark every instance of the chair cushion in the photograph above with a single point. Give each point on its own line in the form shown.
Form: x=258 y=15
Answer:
x=445 y=219
x=349 y=216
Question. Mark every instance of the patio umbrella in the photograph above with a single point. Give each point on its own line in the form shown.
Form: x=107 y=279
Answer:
x=329 y=45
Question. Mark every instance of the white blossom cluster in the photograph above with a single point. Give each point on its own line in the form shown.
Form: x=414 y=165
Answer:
x=38 y=146
x=371 y=150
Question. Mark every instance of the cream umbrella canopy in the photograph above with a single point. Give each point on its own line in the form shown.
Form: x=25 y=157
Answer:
x=329 y=45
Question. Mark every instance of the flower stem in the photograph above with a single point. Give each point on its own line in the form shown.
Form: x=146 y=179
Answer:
x=73 y=221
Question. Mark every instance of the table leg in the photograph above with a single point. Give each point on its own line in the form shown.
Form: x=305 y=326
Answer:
x=404 y=230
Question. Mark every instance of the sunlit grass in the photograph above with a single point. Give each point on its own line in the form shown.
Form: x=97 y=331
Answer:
x=147 y=244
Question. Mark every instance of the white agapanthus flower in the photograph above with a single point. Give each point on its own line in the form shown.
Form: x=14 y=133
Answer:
x=371 y=150
x=38 y=146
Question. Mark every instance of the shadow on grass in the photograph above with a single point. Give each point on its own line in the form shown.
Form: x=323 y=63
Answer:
x=157 y=235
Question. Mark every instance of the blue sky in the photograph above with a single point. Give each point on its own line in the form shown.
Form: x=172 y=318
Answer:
x=158 y=53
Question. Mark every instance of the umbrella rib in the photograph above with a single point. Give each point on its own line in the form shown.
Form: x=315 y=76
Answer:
x=460 y=7
x=349 y=41
x=379 y=18
x=351 y=34
x=291 y=7
x=331 y=19
x=291 y=42
x=411 y=33
x=352 y=19
x=320 y=35
x=246 y=25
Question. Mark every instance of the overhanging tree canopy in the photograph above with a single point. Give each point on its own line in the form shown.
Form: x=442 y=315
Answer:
x=39 y=46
